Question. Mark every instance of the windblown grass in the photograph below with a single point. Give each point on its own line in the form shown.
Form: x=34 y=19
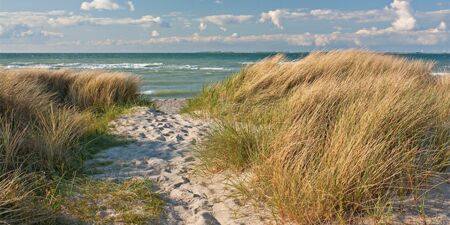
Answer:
x=53 y=110
x=332 y=137
x=83 y=89
x=50 y=121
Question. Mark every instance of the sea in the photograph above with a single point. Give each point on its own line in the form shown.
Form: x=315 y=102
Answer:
x=170 y=75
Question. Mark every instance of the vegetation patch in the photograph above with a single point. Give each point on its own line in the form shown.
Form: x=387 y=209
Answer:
x=50 y=122
x=130 y=201
x=20 y=199
x=332 y=137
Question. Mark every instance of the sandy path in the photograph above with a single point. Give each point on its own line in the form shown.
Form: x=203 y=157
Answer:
x=163 y=153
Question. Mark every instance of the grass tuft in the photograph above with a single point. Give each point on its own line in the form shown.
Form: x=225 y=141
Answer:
x=19 y=199
x=331 y=137
x=50 y=122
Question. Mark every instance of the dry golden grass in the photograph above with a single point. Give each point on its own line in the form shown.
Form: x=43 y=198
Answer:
x=39 y=132
x=81 y=88
x=44 y=118
x=19 y=203
x=332 y=137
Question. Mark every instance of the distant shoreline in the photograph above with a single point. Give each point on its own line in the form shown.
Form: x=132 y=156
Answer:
x=213 y=52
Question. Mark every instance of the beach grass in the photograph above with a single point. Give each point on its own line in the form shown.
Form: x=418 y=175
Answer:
x=50 y=122
x=331 y=138
x=20 y=199
x=84 y=89
x=130 y=201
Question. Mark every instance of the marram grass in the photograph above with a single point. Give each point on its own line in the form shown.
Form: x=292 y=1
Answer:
x=83 y=88
x=50 y=121
x=332 y=137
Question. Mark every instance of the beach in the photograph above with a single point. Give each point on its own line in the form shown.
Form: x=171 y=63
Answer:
x=338 y=137
x=220 y=112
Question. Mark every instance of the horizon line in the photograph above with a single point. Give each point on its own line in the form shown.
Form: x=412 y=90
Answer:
x=220 y=52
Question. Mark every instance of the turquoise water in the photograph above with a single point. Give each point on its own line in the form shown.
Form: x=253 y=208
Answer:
x=168 y=75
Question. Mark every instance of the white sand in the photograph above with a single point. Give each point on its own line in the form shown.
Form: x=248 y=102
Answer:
x=163 y=153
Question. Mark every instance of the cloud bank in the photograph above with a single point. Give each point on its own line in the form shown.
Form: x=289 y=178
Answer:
x=397 y=24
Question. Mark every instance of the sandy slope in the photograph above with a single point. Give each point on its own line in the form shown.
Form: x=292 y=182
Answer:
x=163 y=153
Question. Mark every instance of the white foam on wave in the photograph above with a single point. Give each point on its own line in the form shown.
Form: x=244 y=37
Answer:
x=441 y=73
x=182 y=67
x=84 y=65
x=25 y=66
x=112 y=66
x=149 y=92
x=215 y=68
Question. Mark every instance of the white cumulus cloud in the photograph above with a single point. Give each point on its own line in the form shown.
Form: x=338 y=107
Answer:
x=405 y=20
x=100 y=5
x=276 y=16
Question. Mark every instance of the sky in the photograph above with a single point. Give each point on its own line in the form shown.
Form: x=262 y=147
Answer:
x=223 y=25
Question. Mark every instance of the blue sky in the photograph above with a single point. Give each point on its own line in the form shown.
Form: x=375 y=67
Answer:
x=223 y=25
